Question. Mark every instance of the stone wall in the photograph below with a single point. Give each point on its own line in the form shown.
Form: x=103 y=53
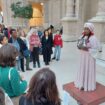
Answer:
x=9 y=20
x=56 y=11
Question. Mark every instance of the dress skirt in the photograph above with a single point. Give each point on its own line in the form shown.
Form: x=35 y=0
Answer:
x=86 y=74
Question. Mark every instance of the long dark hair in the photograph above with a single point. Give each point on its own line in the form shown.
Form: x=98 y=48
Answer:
x=43 y=88
x=8 y=55
x=45 y=32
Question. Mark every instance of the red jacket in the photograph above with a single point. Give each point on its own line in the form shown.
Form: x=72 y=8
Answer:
x=58 y=40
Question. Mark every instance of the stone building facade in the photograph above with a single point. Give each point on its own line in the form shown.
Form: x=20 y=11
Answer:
x=71 y=14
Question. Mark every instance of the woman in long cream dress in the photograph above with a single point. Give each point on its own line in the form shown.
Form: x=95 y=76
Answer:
x=86 y=75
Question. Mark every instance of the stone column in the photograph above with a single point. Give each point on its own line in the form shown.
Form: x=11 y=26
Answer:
x=9 y=20
x=50 y=6
x=99 y=21
x=56 y=13
x=101 y=8
x=46 y=13
x=69 y=9
x=6 y=14
x=69 y=22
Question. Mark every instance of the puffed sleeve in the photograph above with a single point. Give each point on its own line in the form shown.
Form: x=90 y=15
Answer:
x=93 y=46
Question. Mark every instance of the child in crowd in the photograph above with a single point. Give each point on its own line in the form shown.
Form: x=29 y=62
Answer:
x=58 y=44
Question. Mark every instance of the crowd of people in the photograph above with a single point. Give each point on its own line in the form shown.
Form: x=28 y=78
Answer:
x=29 y=46
x=42 y=88
x=15 y=46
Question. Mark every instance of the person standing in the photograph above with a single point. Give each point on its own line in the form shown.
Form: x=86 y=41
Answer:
x=51 y=40
x=26 y=53
x=58 y=44
x=21 y=47
x=86 y=75
x=46 y=47
x=28 y=40
x=35 y=44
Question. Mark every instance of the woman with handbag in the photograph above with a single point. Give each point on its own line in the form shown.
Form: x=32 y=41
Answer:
x=87 y=44
x=26 y=52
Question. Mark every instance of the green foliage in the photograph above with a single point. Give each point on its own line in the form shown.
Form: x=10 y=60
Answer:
x=22 y=11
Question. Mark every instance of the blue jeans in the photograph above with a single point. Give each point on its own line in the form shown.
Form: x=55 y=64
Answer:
x=18 y=65
x=57 y=52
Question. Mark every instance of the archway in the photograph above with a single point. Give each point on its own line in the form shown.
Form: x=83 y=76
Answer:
x=37 y=19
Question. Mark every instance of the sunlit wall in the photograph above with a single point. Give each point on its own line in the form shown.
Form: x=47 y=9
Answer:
x=37 y=19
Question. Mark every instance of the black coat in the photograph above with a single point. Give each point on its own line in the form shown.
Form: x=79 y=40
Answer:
x=21 y=43
x=46 y=45
x=51 y=38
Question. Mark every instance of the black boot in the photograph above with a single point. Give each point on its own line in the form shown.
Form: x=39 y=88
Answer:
x=46 y=63
x=38 y=64
x=27 y=63
x=53 y=58
x=34 y=65
x=28 y=68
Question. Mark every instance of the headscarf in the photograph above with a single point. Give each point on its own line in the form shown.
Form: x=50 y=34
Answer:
x=90 y=26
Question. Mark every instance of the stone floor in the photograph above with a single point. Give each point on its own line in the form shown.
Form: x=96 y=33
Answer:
x=66 y=68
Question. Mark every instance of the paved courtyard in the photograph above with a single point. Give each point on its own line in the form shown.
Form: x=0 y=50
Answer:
x=66 y=68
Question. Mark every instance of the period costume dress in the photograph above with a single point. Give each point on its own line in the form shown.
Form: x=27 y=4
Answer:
x=86 y=74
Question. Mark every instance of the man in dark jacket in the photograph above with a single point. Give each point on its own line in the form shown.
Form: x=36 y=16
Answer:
x=21 y=47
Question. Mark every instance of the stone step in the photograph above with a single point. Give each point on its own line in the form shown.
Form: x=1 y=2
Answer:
x=86 y=98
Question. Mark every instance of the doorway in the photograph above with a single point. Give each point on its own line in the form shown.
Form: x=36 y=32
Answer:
x=37 y=19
